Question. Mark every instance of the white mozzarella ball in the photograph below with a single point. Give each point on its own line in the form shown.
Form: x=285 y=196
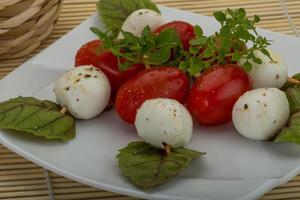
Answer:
x=271 y=73
x=84 y=90
x=259 y=114
x=139 y=19
x=164 y=121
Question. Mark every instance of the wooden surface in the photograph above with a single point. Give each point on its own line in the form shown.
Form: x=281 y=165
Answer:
x=23 y=180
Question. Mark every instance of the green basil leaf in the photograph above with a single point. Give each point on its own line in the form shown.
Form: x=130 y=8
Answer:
x=293 y=96
x=290 y=133
x=41 y=118
x=114 y=12
x=147 y=166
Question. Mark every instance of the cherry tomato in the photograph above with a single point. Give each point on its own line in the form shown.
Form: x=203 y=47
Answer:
x=165 y=82
x=215 y=92
x=89 y=54
x=184 y=30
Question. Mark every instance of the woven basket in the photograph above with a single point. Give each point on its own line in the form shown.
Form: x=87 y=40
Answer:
x=24 y=24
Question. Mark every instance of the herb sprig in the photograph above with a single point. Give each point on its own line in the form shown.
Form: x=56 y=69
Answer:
x=237 y=41
x=149 y=49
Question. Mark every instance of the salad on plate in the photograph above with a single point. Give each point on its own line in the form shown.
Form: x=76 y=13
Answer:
x=164 y=77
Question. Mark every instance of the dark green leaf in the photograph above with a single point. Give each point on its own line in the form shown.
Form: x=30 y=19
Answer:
x=256 y=60
x=41 y=118
x=247 y=66
x=196 y=66
x=256 y=19
x=100 y=34
x=184 y=65
x=168 y=38
x=290 y=133
x=198 y=41
x=241 y=13
x=194 y=50
x=236 y=56
x=244 y=34
x=293 y=96
x=198 y=31
x=220 y=16
x=160 y=56
x=114 y=12
x=147 y=166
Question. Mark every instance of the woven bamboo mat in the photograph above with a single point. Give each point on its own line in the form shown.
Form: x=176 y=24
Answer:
x=23 y=180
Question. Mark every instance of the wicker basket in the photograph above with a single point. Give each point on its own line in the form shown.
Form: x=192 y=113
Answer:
x=24 y=24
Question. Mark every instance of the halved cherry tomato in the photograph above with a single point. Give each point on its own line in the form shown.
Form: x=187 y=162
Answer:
x=89 y=54
x=184 y=30
x=215 y=92
x=165 y=82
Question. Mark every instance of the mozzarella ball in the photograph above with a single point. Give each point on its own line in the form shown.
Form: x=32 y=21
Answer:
x=271 y=73
x=84 y=90
x=164 y=121
x=139 y=19
x=260 y=114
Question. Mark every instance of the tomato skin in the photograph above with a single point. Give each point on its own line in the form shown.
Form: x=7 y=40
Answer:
x=107 y=62
x=215 y=92
x=184 y=30
x=165 y=82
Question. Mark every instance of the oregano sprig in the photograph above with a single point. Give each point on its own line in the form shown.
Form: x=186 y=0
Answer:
x=149 y=49
x=236 y=40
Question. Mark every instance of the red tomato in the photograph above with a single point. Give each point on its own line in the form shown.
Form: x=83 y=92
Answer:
x=89 y=54
x=184 y=30
x=165 y=82
x=215 y=92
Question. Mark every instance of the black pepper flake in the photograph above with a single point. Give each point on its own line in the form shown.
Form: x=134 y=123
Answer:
x=87 y=76
x=274 y=121
x=77 y=80
x=258 y=101
x=95 y=76
x=77 y=99
x=277 y=76
x=147 y=119
x=265 y=105
x=246 y=106
x=165 y=132
x=140 y=13
x=79 y=74
x=264 y=94
x=67 y=88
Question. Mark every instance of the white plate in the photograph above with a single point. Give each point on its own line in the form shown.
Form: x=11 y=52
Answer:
x=234 y=167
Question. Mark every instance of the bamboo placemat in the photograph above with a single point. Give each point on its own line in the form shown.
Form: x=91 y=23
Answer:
x=23 y=180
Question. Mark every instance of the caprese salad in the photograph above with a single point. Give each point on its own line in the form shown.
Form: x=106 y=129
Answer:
x=159 y=75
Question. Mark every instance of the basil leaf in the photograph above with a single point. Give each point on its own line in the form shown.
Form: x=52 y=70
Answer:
x=41 y=118
x=147 y=166
x=114 y=12
x=290 y=133
x=292 y=92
